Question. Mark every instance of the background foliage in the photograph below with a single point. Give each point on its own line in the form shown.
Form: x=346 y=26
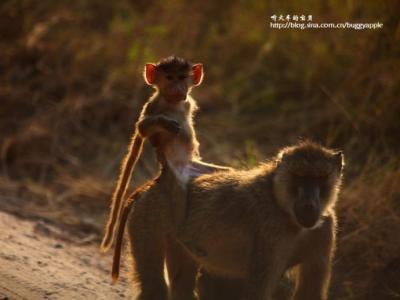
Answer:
x=71 y=89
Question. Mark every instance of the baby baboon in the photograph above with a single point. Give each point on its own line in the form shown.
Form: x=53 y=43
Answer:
x=250 y=226
x=166 y=120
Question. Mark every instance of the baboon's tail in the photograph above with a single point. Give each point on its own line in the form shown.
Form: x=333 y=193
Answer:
x=121 y=227
x=118 y=240
x=135 y=149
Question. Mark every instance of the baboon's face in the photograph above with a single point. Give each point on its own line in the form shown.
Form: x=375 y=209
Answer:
x=306 y=184
x=174 y=85
x=309 y=196
x=173 y=79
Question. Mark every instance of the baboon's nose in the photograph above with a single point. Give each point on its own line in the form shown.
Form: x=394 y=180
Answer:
x=306 y=214
x=307 y=207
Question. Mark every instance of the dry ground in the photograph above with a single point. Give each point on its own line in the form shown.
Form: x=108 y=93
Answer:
x=40 y=261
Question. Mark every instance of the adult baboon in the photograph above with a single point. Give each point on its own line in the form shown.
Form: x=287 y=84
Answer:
x=246 y=225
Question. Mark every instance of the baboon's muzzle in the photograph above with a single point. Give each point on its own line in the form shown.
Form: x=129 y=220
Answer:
x=307 y=208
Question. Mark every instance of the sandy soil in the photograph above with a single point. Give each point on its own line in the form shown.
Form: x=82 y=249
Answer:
x=40 y=261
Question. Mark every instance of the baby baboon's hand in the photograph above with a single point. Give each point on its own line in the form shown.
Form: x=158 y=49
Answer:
x=170 y=125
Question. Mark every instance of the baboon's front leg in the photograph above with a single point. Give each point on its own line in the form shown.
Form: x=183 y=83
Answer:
x=201 y=167
x=151 y=125
x=313 y=274
x=262 y=281
x=182 y=271
x=267 y=265
x=211 y=287
x=147 y=245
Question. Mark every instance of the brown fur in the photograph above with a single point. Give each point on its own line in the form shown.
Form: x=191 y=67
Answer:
x=159 y=121
x=167 y=121
x=121 y=228
x=245 y=227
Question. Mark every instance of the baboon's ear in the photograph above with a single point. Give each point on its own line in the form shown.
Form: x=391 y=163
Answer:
x=149 y=73
x=339 y=158
x=197 y=74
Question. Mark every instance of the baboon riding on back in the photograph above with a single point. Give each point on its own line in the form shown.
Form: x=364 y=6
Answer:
x=251 y=226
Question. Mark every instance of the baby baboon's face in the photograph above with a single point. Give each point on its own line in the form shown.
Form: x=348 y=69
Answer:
x=307 y=181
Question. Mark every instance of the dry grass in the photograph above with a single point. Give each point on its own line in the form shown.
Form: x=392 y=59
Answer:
x=71 y=88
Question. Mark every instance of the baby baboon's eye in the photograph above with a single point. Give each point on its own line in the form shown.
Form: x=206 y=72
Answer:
x=182 y=77
x=170 y=77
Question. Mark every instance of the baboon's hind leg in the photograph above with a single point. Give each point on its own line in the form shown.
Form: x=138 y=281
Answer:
x=182 y=271
x=147 y=246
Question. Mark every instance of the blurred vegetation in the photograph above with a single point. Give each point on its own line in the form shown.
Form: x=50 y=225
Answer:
x=71 y=89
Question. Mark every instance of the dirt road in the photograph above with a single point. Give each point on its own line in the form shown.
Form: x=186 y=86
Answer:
x=38 y=262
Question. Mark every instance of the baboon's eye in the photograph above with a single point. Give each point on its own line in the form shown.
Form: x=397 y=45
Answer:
x=324 y=187
x=182 y=77
x=170 y=77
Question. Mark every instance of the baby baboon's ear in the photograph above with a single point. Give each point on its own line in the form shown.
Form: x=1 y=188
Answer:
x=339 y=158
x=149 y=73
x=198 y=74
